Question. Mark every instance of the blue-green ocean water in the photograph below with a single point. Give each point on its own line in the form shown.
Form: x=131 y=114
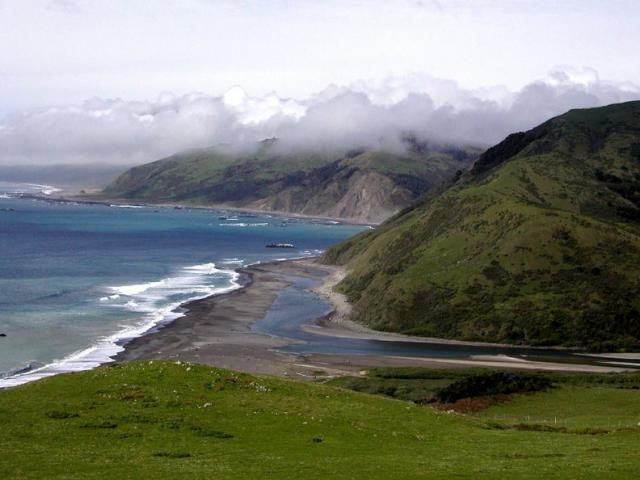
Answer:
x=77 y=280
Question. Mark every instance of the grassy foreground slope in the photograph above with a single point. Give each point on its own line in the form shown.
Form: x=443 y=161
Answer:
x=368 y=185
x=168 y=420
x=539 y=243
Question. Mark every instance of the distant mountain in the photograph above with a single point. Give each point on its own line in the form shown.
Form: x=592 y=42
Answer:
x=365 y=185
x=539 y=243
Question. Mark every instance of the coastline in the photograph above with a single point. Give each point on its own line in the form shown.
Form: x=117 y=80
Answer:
x=89 y=200
x=147 y=316
x=217 y=331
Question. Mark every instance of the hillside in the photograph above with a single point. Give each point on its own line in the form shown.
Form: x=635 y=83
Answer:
x=161 y=420
x=362 y=185
x=539 y=243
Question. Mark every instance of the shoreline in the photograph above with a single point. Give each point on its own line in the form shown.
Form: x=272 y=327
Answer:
x=217 y=331
x=102 y=350
x=89 y=200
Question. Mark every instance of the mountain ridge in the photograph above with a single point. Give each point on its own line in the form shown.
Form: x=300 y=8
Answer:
x=538 y=243
x=364 y=185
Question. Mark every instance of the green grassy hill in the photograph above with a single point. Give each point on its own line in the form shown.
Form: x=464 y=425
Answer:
x=539 y=243
x=165 y=420
x=364 y=185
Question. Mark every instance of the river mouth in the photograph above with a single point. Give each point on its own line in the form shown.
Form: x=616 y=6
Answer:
x=296 y=308
x=79 y=280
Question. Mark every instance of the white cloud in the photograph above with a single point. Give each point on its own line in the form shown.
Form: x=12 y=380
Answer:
x=64 y=6
x=63 y=51
x=362 y=114
x=256 y=110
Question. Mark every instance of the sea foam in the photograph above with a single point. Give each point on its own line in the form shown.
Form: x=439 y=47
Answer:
x=153 y=300
x=261 y=224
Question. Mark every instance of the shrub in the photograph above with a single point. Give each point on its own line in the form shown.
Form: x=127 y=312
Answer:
x=487 y=384
x=61 y=414
x=172 y=454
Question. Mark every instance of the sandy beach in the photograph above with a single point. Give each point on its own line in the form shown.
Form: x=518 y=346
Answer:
x=218 y=331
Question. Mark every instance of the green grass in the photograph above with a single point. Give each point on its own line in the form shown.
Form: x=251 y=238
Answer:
x=576 y=402
x=573 y=407
x=167 y=420
x=539 y=244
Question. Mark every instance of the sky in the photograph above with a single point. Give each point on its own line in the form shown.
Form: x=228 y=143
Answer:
x=128 y=81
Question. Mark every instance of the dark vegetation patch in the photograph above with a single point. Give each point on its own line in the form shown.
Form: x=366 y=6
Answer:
x=99 y=424
x=61 y=414
x=496 y=273
x=172 y=424
x=472 y=390
x=471 y=405
x=129 y=434
x=491 y=384
x=508 y=148
x=416 y=185
x=528 y=456
x=538 y=427
x=412 y=390
x=172 y=454
x=206 y=432
x=444 y=388
x=136 y=417
x=627 y=187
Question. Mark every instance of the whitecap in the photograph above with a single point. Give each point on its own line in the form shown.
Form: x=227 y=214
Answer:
x=45 y=189
x=232 y=261
x=241 y=224
x=145 y=297
x=131 y=305
x=205 y=268
x=136 y=289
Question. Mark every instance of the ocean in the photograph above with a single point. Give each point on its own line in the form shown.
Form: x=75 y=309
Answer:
x=77 y=280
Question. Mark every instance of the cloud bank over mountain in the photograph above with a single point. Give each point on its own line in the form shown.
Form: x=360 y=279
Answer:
x=363 y=114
